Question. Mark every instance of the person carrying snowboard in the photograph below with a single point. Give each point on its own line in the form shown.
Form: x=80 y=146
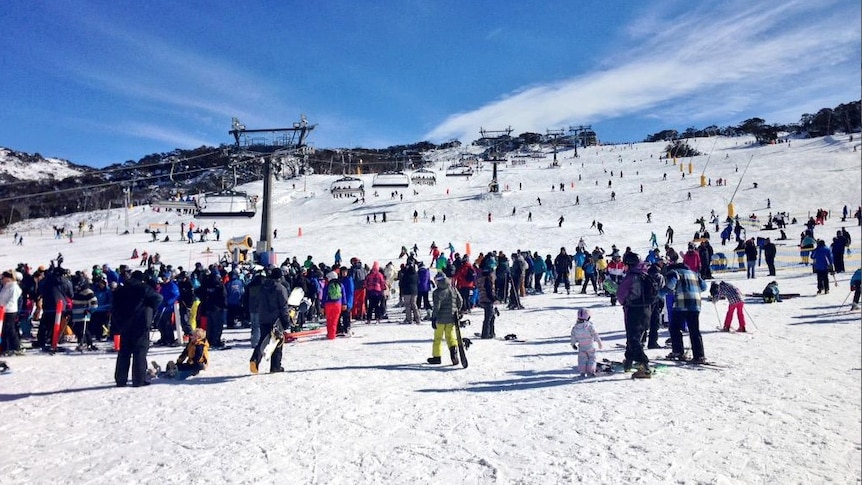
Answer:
x=583 y=336
x=272 y=311
x=444 y=317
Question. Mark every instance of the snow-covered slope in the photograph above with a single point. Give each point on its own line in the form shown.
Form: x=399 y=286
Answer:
x=45 y=168
x=786 y=409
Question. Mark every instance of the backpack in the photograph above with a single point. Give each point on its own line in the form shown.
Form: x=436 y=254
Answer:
x=470 y=275
x=769 y=293
x=644 y=291
x=334 y=291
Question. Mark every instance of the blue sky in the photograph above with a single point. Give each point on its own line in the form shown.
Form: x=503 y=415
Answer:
x=100 y=82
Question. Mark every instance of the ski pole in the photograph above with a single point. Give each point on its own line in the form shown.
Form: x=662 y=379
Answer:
x=750 y=319
x=717 y=315
x=846 y=297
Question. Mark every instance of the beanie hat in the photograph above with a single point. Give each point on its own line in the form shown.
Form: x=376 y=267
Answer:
x=631 y=259
x=583 y=314
x=440 y=277
x=331 y=275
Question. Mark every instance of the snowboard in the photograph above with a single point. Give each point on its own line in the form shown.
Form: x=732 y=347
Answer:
x=462 y=354
x=610 y=286
x=508 y=338
x=178 y=323
x=268 y=344
x=292 y=336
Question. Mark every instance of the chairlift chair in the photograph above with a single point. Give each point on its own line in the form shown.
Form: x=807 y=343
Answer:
x=227 y=205
x=459 y=170
x=349 y=186
x=423 y=176
x=391 y=179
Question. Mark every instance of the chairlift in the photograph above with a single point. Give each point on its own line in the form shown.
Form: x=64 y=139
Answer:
x=176 y=201
x=227 y=205
x=459 y=170
x=423 y=176
x=391 y=179
x=349 y=186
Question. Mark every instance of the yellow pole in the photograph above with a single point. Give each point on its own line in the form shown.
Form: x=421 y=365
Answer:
x=702 y=180
x=690 y=167
x=730 y=212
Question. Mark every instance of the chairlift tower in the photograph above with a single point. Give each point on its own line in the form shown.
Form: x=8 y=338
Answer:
x=578 y=132
x=555 y=135
x=267 y=144
x=493 y=157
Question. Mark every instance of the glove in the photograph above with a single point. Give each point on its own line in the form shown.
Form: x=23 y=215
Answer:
x=434 y=323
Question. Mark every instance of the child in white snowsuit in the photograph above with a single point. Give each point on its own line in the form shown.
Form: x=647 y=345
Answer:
x=583 y=336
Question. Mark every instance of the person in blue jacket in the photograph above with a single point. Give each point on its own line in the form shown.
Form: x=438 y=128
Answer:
x=855 y=283
x=822 y=263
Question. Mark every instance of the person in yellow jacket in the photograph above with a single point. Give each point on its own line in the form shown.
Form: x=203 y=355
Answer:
x=193 y=359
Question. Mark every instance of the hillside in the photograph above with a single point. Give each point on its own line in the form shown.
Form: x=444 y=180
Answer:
x=798 y=177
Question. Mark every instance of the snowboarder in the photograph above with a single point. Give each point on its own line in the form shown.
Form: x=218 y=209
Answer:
x=273 y=314
x=560 y=221
x=444 y=317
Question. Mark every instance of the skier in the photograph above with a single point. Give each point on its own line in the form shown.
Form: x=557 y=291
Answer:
x=444 y=317
x=560 y=221
x=669 y=234
x=686 y=286
x=637 y=294
x=735 y=303
x=855 y=284
x=583 y=336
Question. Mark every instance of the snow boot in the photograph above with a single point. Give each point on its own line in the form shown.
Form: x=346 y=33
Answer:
x=433 y=360
x=643 y=372
x=171 y=369
x=453 y=352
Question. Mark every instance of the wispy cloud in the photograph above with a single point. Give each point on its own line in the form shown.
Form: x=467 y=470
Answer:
x=710 y=62
x=172 y=79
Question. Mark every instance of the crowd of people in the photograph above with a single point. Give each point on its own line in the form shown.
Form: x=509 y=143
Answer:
x=123 y=306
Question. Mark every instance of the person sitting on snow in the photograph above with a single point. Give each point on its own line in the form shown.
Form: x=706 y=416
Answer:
x=193 y=359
